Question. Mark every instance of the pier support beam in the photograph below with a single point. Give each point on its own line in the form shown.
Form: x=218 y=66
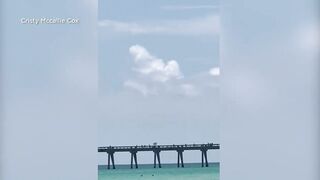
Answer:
x=108 y=161
x=156 y=156
x=178 y=164
x=134 y=156
x=180 y=157
x=204 y=157
x=111 y=156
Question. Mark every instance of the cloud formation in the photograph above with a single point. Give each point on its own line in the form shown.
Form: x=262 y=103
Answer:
x=154 y=68
x=207 y=25
x=155 y=76
x=143 y=89
x=215 y=71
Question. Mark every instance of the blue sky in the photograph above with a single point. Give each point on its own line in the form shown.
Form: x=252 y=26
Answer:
x=186 y=32
x=158 y=73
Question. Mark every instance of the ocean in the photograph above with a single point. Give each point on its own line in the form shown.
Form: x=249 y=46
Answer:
x=191 y=171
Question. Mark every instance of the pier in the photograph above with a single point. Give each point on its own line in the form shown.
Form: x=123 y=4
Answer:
x=156 y=149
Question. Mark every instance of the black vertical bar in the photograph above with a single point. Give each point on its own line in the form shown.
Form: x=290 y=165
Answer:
x=206 y=157
x=178 y=159
x=154 y=160
x=202 y=158
x=181 y=156
x=158 y=154
x=131 y=160
x=135 y=160
x=112 y=160
x=108 y=161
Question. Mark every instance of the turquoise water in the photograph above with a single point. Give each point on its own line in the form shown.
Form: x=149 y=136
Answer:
x=167 y=172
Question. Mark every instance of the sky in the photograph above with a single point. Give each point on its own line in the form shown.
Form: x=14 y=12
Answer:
x=158 y=74
x=269 y=58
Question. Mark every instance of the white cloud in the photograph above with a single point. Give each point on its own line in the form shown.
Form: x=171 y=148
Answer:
x=143 y=89
x=184 y=7
x=152 y=67
x=214 y=71
x=155 y=76
x=208 y=25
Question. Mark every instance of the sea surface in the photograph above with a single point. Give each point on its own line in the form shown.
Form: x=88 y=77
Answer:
x=192 y=171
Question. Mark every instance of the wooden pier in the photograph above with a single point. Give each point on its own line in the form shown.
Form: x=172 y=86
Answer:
x=156 y=149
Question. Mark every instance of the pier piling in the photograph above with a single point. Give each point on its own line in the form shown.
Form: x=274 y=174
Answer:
x=180 y=157
x=111 y=156
x=156 y=157
x=134 y=157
